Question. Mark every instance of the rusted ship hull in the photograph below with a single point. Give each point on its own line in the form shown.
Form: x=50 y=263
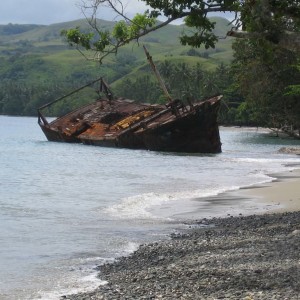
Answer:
x=57 y=136
x=190 y=133
x=174 y=127
x=125 y=124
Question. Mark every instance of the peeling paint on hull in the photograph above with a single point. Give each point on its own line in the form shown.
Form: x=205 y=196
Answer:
x=125 y=124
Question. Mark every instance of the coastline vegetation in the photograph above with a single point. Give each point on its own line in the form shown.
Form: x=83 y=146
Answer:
x=259 y=80
x=37 y=65
x=265 y=70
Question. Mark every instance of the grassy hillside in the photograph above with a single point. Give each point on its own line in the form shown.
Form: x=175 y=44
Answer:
x=36 y=61
x=45 y=43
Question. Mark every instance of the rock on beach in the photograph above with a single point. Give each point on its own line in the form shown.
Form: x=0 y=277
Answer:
x=251 y=257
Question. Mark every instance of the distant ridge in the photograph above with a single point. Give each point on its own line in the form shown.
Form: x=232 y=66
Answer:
x=36 y=63
x=34 y=32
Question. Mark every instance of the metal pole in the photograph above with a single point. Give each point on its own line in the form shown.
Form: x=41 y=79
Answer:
x=156 y=72
x=73 y=92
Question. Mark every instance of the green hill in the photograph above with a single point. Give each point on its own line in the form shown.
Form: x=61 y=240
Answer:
x=37 y=65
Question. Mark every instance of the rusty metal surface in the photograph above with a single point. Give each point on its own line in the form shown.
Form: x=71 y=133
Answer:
x=123 y=123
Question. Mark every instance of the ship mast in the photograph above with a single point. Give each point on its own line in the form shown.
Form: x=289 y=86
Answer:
x=156 y=72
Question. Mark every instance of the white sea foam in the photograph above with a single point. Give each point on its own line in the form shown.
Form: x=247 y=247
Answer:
x=86 y=283
x=137 y=207
x=281 y=162
x=73 y=284
x=53 y=197
x=83 y=285
x=130 y=247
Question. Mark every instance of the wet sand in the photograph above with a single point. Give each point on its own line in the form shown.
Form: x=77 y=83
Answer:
x=281 y=195
x=242 y=257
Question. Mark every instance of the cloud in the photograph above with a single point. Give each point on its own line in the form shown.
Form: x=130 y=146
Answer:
x=38 y=11
x=128 y=7
x=55 y=11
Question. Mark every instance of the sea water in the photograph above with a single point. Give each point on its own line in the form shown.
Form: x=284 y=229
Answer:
x=67 y=208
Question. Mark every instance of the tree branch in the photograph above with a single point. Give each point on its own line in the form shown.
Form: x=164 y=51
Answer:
x=288 y=40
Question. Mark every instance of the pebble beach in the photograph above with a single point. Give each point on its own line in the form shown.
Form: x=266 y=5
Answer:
x=235 y=257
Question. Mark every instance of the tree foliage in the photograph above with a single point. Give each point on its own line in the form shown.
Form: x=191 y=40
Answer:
x=266 y=59
x=274 y=20
x=261 y=88
x=183 y=81
x=267 y=76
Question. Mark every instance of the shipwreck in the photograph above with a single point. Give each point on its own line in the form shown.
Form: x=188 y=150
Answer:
x=119 y=122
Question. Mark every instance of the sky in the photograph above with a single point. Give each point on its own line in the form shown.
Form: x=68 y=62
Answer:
x=45 y=12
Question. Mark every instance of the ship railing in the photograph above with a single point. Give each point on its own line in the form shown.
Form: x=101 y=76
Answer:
x=103 y=87
x=174 y=104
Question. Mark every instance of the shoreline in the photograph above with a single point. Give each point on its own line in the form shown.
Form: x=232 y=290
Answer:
x=280 y=195
x=253 y=256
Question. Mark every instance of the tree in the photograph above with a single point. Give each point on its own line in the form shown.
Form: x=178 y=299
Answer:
x=266 y=59
x=277 y=21
x=264 y=75
x=273 y=20
x=184 y=81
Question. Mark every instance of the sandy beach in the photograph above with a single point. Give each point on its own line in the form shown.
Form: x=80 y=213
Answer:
x=243 y=257
x=281 y=195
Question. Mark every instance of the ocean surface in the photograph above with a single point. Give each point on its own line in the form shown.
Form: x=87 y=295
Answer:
x=66 y=208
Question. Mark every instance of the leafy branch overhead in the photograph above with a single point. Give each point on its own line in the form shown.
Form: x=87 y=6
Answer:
x=276 y=21
x=103 y=42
